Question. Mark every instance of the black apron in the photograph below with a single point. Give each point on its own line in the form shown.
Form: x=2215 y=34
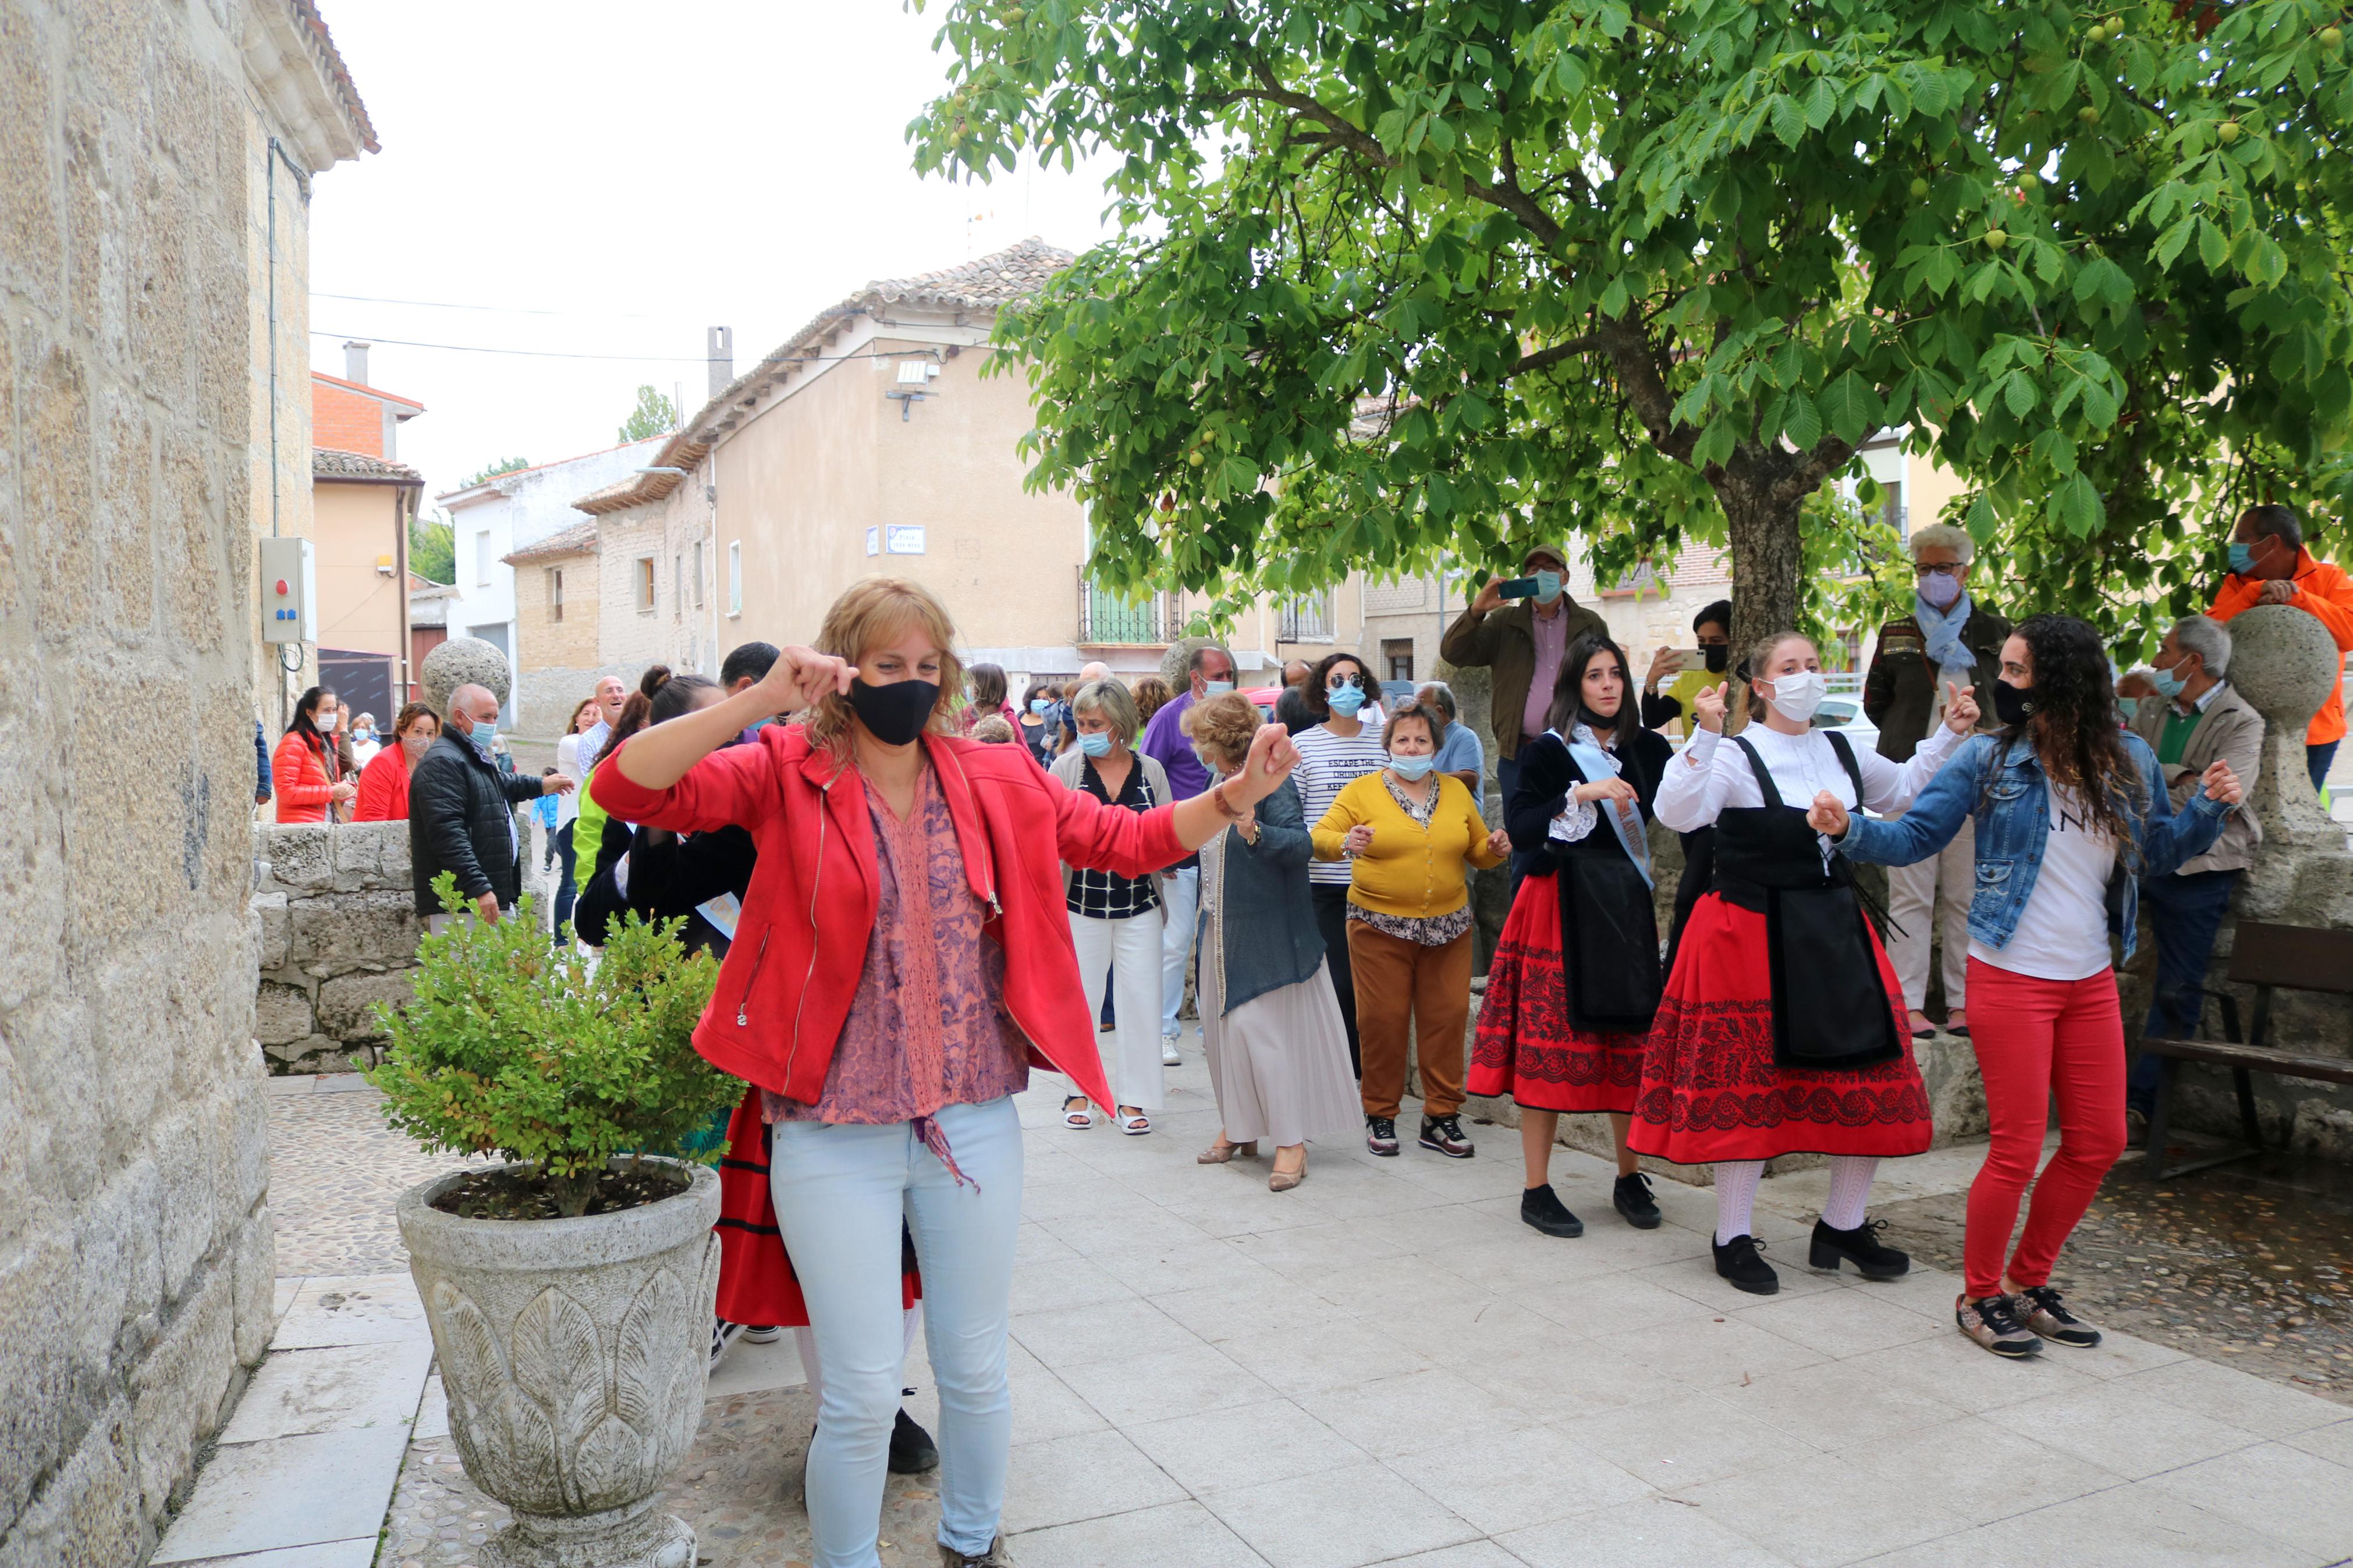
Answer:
x=1831 y=1013
x=1608 y=930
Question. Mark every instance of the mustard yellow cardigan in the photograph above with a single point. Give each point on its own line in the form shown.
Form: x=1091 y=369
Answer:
x=1407 y=871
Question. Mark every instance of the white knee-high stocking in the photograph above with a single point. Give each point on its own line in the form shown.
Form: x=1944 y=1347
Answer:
x=1850 y=1190
x=1735 y=1197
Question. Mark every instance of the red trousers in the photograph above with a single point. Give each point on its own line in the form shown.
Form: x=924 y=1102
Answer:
x=2038 y=1040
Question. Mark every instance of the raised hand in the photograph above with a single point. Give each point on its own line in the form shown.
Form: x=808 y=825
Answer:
x=1960 y=708
x=1827 y=815
x=1604 y=789
x=1272 y=758
x=1708 y=708
x=1665 y=662
x=1491 y=598
x=800 y=677
x=1359 y=839
x=2222 y=784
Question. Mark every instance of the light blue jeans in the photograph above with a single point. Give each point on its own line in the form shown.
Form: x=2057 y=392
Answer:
x=1180 y=892
x=840 y=1192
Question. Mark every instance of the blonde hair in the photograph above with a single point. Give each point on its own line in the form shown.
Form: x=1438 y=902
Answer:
x=1224 y=725
x=992 y=731
x=871 y=612
x=1111 y=703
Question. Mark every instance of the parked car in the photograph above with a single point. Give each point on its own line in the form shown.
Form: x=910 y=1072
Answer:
x=1846 y=713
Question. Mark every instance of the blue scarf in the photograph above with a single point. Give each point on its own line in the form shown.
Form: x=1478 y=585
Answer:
x=1942 y=628
x=1626 y=818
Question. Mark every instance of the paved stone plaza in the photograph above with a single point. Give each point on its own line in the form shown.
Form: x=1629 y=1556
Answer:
x=1383 y=1366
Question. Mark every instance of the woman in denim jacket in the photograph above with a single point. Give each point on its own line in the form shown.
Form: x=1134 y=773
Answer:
x=2070 y=809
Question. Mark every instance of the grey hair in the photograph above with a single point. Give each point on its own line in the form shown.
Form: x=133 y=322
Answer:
x=2209 y=639
x=2278 y=521
x=1438 y=689
x=1111 y=701
x=1944 y=536
x=1193 y=660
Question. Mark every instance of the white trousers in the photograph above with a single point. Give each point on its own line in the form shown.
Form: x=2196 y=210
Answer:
x=1181 y=894
x=1934 y=895
x=1129 y=952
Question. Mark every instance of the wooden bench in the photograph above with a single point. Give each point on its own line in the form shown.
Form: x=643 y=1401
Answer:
x=2269 y=958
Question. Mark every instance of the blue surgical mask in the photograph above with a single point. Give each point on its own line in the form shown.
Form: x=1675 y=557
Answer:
x=484 y=735
x=1216 y=688
x=2169 y=682
x=1411 y=768
x=1345 y=701
x=1039 y=705
x=1547 y=587
x=2243 y=559
x=1095 y=746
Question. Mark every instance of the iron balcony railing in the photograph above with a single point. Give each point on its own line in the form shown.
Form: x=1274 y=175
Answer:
x=1105 y=617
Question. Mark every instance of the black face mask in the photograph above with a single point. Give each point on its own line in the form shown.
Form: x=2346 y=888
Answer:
x=894 y=714
x=1717 y=656
x=2010 y=705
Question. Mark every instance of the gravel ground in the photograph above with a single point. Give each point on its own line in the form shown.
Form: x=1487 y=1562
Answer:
x=738 y=1489
x=335 y=1172
x=2251 y=1263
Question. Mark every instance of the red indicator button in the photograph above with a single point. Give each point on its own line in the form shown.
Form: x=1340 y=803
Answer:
x=281 y=587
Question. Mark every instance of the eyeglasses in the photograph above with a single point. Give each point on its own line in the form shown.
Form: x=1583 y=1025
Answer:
x=1941 y=569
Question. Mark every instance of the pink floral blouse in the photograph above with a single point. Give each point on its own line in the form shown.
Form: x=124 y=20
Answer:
x=927 y=1026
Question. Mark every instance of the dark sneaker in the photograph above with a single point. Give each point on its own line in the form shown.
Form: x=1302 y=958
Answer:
x=911 y=1449
x=2048 y=1316
x=722 y=1334
x=762 y=1333
x=1993 y=1322
x=1444 y=1134
x=1736 y=1260
x=1542 y=1207
x=1859 y=1247
x=1631 y=1197
x=997 y=1556
x=1380 y=1134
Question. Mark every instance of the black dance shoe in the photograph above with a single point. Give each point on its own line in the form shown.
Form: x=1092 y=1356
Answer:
x=1859 y=1247
x=1631 y=1197
x=1542 y=1207
x=911 y=1449
x=1737 y=1261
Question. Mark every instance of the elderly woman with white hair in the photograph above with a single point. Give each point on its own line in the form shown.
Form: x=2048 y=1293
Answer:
x=1949 y=640
x=1115 y=920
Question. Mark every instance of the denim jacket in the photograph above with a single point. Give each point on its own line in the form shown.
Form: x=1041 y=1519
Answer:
x=2013 y=819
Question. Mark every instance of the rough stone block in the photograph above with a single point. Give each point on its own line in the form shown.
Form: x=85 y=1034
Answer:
x=399 y=870
x=281 y=1014
x=357 y=850
x=276 y=929
x=249 y=1139
x=87 y=1512
x=187 y=1163
x=176 y=1392
x=347 y=1004
x=302 y=856
x=379 y=925
x=253 y=1263
x=37 y=1368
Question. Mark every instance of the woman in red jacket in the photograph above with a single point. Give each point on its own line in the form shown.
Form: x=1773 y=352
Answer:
x=384 y=782
x=305 y=771
x=902 y=960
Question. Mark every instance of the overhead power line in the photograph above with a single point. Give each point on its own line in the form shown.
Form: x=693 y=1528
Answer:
x=502 y=309
x=534 y=354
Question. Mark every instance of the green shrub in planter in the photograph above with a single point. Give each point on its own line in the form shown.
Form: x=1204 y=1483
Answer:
x=519 y=1049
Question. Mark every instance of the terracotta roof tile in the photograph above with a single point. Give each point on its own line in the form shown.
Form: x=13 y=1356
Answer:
x=580 y=539
x=327 y=462
x=353 y=110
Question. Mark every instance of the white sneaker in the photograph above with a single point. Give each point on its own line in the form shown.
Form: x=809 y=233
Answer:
x=1169 y=1054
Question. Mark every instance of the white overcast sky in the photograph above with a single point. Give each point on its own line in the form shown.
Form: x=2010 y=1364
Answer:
x=631 y=174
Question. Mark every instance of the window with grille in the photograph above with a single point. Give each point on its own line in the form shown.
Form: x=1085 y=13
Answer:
x=1308 y=619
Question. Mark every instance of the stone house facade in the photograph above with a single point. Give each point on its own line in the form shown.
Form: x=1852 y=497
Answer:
x=154 y=161
x=560 y=606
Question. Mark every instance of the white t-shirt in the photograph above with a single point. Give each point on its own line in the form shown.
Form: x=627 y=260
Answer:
x=1712 y=774
x=567 y=762
x=1328 y=764
x=2062 y=931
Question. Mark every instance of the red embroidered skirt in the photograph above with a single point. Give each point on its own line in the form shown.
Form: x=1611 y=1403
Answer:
x=1525 y=1046
x=1710 y=1089
x=756 y=1282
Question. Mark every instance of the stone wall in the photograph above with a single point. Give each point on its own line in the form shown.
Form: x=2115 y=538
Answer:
x=334 y=919
x=136 y=1263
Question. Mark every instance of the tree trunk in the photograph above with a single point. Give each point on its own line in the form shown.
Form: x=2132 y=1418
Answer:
x=1765 y=557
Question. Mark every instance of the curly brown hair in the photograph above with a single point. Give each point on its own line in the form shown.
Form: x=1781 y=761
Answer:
x=1151 y=694
x=1223 y=726
x=2072 y=720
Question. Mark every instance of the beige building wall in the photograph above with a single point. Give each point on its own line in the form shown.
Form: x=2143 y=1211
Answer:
x=557 y=662
x=351 y=526
x=276 y=244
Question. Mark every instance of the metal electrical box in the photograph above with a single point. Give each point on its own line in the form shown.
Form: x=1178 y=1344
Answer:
x=290 y=591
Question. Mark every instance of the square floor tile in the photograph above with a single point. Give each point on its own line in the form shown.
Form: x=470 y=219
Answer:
x=1469 y=1554
x=1186 y=1381
x=1338 y=1519
x=358 y=1553
x=287 y=1491
x=1508 y=1481
x=1837 y=1403
x=2278 y=1491
x=1820 y=1510
x=1243 y=1445
x=1223 y=1312
x=1111 y=1331
x=1082 y=1477
x=356 y=1309
x=1615 y=1304
x=1044 y=1406
x=1572 y=1382
x=1173 y=1533
x=2143 y=1526
x=1203 y=1265
x=1698 y=1278
x=1684 y=1441
x=1841 y=1322
x=1408 y=1414
x=1321 y=1252
x=432 y=1412
x=1706 y=1354
x=2120 y=1356
x=2123 y=1429
x=332 y=1390
x=2237 y=1398
x=1655 y=1532
x=2333 y=1442
x=1323 y=1355
x=1969 y=1378
x=748 y=1368
x=1480 y=1330
x=1974 y=1470
x=1061 y=1283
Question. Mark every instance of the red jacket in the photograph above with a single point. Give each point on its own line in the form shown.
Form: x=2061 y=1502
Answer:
x=300 y=779
x=800 y=945
x=384 y=787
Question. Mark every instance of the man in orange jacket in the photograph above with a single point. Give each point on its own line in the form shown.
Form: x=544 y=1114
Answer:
x=2269 y=566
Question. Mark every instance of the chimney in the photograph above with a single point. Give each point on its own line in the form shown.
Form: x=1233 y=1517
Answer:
x=720 y=345
x=356 y=363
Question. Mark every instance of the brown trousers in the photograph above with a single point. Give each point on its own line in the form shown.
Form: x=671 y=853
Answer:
x=1405 y=992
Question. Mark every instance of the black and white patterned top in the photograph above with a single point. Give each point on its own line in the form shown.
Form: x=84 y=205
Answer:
x=1107 y=895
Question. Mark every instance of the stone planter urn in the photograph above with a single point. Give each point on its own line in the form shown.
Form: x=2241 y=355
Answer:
x=573 y=1352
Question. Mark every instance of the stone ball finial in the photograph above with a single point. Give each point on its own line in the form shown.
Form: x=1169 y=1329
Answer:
x=463 y=661
x=2282 y=661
